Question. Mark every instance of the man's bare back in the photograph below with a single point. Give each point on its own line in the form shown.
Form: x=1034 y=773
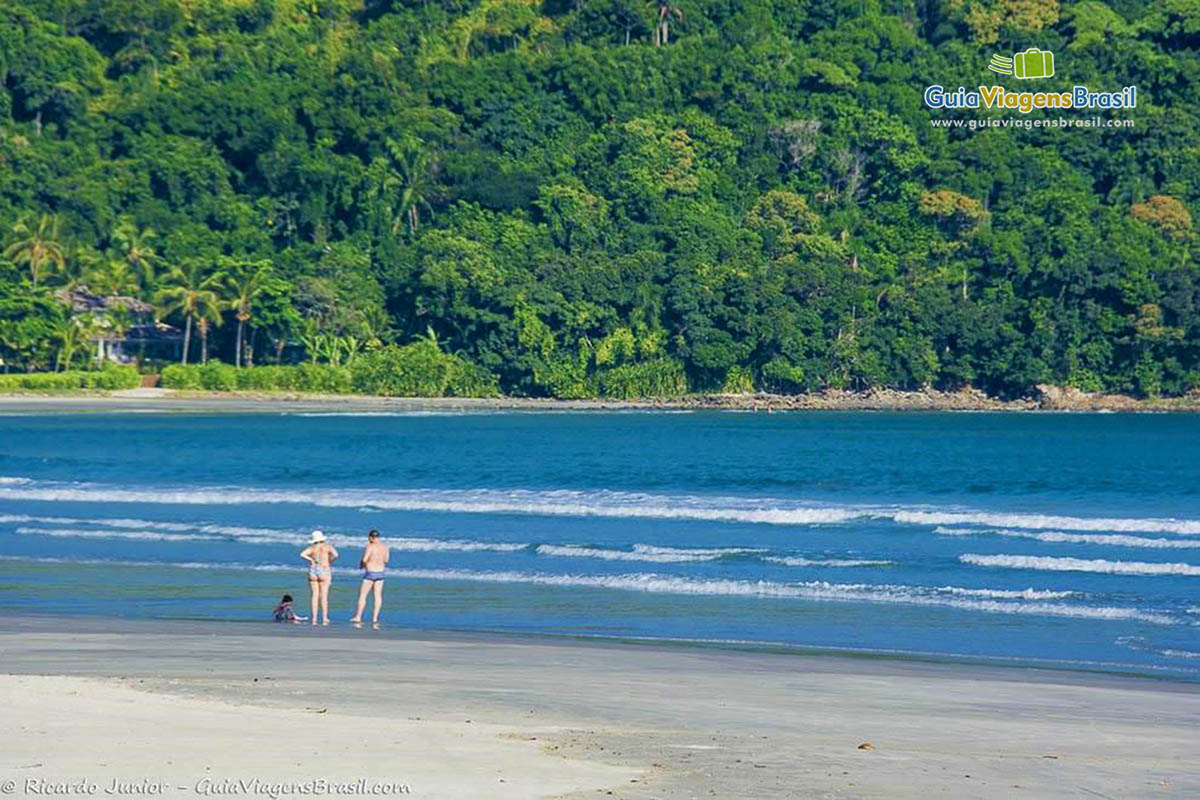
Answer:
x=375 y=557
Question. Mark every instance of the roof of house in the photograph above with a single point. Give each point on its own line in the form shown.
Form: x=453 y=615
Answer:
x=82 y=300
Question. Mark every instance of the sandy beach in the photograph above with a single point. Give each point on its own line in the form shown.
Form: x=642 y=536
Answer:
x=1047 y=398
x=196 y=706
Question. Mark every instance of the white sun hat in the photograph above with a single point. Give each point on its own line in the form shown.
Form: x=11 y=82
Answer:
x=317 y=537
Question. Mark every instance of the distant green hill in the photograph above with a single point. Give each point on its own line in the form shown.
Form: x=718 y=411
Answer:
x=613 y=197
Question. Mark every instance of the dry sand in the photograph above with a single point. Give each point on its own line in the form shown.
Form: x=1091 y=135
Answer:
x=473 y=716
x=72 y=729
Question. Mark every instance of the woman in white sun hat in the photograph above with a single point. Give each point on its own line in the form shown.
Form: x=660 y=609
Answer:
x=320 y=555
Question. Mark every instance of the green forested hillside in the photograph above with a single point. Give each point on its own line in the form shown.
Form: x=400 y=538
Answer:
x=608 y=197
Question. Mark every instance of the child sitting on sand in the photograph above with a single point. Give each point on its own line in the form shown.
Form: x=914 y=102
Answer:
x=285 y=613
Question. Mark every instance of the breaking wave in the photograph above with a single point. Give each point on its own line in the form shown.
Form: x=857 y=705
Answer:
x=1046 y=521
x=153 y=536
x=796 y=561
x=979 y=600
x=569 y=503
x=1079 y=565
x=643 y=552
x=951 y=597
x=1114 y=539
x=577 y=503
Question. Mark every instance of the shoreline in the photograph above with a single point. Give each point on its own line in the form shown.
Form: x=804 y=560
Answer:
x=571 y=719
x=1047 y=399
x=1000 y=668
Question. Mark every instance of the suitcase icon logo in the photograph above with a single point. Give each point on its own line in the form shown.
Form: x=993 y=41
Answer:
x=1033 y=63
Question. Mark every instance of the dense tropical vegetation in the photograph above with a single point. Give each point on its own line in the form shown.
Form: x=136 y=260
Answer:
x=601 y=197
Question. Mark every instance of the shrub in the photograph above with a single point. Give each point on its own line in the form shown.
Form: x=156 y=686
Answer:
x=664 y=377
x=419 y=369
x=268 y=378
x=222 y=377
x=113 y=378
x=564 y=377
x=218 y=377
x=40 y=381
x=110 y=378
x=738 y=381
x=1085 y=380
x=322 y=378
x=468 y=379
x=780 y=375
x=181 y=376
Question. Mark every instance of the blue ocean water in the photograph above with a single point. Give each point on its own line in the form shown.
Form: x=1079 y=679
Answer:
x=1051 y=539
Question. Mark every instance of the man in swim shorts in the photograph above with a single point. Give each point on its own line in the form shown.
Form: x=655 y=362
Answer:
x=374 y=565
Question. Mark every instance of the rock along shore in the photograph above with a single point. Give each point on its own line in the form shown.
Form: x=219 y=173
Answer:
x=1045 y=398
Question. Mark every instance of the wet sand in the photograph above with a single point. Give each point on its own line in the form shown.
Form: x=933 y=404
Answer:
x=465 y=715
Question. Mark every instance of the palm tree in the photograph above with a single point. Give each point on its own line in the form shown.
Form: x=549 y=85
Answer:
x=207 y=315
x=430 y=337
x=411 y=178
x=37 y=247
x=312 y=340
x=662 y=28
x=135 y=247
x=190 y=292
x=67 y=332
x=247 y=282
x=115 y=278
x=375 y=327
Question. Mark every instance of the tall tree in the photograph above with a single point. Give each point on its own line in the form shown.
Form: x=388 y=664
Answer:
x=190 y=292
x=246 y=281
x=206 y=317
x=67 y=332
x=410 y=180
x=136 y=248
x=37 y=247
x=665 y=11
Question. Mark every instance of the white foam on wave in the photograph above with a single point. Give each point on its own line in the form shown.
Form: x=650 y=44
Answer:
x=150 y=530
x=1176 y=653
x=569 y=503
x=1100 y=565
x=151 y=536
x=125 y=528
x=122 y=523
x=1047 y=521
x=950 y=597
x=1010 y=594
x=814 y=590
x=642 y=552
x=114 y=563
x=577 y=503
x=1059 y=537
x=455 y=545
x=1140 y=644
x=797 y=561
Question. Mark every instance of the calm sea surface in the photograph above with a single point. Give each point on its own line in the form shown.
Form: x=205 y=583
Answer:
x=1045 y=539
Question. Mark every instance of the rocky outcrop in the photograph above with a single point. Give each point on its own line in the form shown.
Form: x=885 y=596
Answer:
x=1068 y=398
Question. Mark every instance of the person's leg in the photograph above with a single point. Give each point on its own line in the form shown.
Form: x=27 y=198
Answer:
x=363 y=591
x=315 y=586
x=378 y=602
x=325 y=600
